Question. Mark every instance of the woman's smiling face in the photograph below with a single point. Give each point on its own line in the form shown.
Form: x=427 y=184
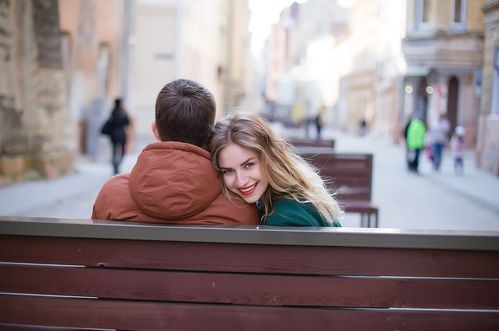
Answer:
x=242 y=172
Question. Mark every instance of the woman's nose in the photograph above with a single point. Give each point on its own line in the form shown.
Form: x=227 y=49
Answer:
x=241 y=179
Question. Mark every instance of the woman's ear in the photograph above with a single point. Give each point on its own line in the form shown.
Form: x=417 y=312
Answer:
x=154 y=130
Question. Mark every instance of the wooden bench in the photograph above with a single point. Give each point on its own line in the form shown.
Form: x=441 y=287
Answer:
x=314 y=143
x=81 y=274
x=350 y=175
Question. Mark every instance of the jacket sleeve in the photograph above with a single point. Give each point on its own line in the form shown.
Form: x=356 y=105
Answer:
x=94 y=213
x=114 y=201
x=223 y=211
x=101 y=209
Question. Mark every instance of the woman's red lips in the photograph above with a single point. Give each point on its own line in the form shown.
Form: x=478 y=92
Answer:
x=248 y=190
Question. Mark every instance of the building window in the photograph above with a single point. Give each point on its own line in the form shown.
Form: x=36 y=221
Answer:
x=422 y=13
x=459 y=13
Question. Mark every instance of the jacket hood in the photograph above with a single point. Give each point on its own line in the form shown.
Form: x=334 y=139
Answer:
x=173 y=180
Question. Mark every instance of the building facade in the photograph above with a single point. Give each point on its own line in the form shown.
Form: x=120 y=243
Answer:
x=299 y=64
x=203 y=40
x=370 y=82
x=58 y=62
x=443 y=49
x=94 y=44
x=487 y=150
x=33 y=95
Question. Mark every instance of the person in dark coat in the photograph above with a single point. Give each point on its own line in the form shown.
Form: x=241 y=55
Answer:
x=118 y=135
x=319 y=121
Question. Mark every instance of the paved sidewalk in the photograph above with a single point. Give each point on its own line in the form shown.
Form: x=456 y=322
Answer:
x=69 y=196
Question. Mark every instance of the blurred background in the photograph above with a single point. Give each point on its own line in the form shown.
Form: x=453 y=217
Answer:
x=376 y=62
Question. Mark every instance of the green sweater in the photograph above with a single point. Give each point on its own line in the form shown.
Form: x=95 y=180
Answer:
x=289 y=212
x=415 y=134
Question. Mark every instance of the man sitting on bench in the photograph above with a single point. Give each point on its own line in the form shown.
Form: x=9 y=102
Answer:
x=173 y=181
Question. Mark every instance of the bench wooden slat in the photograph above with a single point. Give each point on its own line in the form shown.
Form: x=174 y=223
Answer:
x=357 y=206
x=250 y=289
x=354 y=199
x=153 y=315
x=313 y=143
x=17 y=327
x=249 y=258
x=339 y=164
x=347 y=185
x=340 y=161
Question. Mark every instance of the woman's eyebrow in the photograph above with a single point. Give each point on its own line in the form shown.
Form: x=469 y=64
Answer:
x=248 y=160
x=242 y=164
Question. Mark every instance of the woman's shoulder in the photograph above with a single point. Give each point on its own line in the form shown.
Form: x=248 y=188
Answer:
x=289 y=212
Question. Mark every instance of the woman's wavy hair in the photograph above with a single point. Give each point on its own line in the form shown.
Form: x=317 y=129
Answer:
x=289 y=176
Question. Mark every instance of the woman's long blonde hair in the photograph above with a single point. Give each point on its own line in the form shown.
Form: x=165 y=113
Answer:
x=289 y=176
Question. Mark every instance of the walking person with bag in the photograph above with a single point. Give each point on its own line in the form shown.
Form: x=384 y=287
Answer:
x=115 y=128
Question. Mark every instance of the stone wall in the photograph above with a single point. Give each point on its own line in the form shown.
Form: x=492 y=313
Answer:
x=33 y=95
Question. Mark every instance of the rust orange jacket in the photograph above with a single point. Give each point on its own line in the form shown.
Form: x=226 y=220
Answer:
x=171 y=183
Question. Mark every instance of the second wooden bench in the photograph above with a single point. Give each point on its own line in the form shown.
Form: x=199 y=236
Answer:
x=350 y=176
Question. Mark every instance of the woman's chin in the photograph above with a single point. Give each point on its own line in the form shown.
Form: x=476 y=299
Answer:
x=249 y=199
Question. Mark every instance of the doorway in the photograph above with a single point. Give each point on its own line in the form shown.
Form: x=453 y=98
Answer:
x=422 y=99
x=452 y=99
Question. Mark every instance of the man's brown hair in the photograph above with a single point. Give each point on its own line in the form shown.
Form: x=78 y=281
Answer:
x=185 y=112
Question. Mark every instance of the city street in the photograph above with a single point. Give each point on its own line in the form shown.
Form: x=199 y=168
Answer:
x=429 y=200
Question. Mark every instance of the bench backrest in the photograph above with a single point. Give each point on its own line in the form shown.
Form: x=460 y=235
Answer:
x=349 y=175
x=303 y=142
x=131 y=276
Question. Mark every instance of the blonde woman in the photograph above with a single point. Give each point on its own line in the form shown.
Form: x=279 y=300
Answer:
x=260 y=167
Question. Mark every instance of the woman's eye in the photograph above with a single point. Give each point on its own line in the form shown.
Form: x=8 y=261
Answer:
x=226 y=172
x=249 y=165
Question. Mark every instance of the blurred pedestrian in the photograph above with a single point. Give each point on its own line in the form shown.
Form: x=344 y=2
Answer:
x=362 y=127
x=428 y=150
x=439 y=137
x=457 y=145
x=404 y=134
x=319 y=121
x=415 y=140
x=115 y=128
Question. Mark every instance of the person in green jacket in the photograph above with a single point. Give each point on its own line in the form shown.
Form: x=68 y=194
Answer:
x=415 y=141
x=261 y=168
